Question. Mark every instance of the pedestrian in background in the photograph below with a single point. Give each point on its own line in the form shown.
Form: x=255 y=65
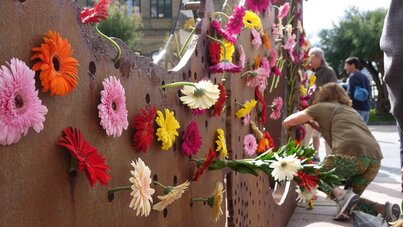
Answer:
x=324 y=74
x=356 y=82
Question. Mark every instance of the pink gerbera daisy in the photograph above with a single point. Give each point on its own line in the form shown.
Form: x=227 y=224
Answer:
x=225 y=66
x=191 y=140
x=235 y=22
x=112 y=109
x=20 y=106
x=250 y=145
x=257 y=5
x=276 y=107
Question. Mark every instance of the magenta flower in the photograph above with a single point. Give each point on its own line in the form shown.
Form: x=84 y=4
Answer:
x=250 y=145
x=256 y=40
x=191 y=140
x=198 y=112
x=283 y=11
x=257 y=5
x=276 y=71
x=217 y=26
x=276 y=107
x=225 y=66
x=235 y=22
x=112 y=109
x=20 y=106
x=252 y=80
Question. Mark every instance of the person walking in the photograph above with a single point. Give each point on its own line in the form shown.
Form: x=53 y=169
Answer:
x=356 y=155
x=392 y=46
x=357 y=81
x=324 y=74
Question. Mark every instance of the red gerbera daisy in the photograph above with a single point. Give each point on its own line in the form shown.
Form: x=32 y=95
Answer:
x=191 y=140
x=306 y=180
x=209 y=159
x=143 y=124
x=214 y=48
x=94 y=15
x=218 y=106
x=263 y=113
x=87 y=156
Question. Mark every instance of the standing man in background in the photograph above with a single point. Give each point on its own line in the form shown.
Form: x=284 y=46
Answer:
x=392 y=46
x=324 y=74
x=358 y=79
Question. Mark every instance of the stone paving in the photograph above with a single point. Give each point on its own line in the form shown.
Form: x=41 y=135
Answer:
x=385 y=187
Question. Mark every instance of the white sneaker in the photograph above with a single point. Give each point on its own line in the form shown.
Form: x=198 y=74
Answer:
x=346 y=205
x=392 y=212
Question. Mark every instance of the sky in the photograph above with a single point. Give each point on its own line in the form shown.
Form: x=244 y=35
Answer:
x=321 y=14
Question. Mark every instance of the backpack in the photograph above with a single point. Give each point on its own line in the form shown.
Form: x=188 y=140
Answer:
x=360 y=94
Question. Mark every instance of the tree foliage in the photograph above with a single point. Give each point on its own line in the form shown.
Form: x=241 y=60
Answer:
x=358 y=34
x=121 y=25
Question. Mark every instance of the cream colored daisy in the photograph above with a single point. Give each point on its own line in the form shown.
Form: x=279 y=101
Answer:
x=142 y=191
x=221 y=143
x=305 y=195
x=215 y=201
x=285 y=168
x=173 y=194
x=202 y=95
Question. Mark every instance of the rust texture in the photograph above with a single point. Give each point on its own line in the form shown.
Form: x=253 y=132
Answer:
x=34 y=183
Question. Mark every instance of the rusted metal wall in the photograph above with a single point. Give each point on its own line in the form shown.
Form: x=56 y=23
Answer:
x=35 y=189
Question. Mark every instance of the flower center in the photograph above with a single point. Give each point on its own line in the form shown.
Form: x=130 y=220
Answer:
x=199 y=92
x=56 y=63
x=18 y=101
x=114 y=106
x=249 y=22
x=283 y=165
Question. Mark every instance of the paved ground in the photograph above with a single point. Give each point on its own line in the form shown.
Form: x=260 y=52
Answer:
x=385 y=187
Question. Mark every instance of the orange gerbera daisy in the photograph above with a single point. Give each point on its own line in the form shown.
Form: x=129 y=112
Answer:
x=58 y=68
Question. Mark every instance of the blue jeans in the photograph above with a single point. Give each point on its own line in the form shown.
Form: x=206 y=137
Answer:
x=364 y=114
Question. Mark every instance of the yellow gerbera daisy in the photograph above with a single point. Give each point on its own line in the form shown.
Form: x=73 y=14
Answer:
x=251 y=20
x=230 y=49
x=167 y=130
x=221 y=144
x=312 y=80
x=246 y=109
x=215 y=201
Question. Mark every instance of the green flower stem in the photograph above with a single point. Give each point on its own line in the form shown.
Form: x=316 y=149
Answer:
x=290 y=20
x=198 y=200
x=221 y=43
x=118 y=51
x=186 y=42
x=272 y=83
x=178 y=84
x=247 y=72
x=238 y=103
x=159 y=184
x=221 y=14
x=112 y=191
x=277 y=81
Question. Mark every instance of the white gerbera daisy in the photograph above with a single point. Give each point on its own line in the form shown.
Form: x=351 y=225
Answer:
x=285 y=168
x=305 y=195
x=202 y=95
